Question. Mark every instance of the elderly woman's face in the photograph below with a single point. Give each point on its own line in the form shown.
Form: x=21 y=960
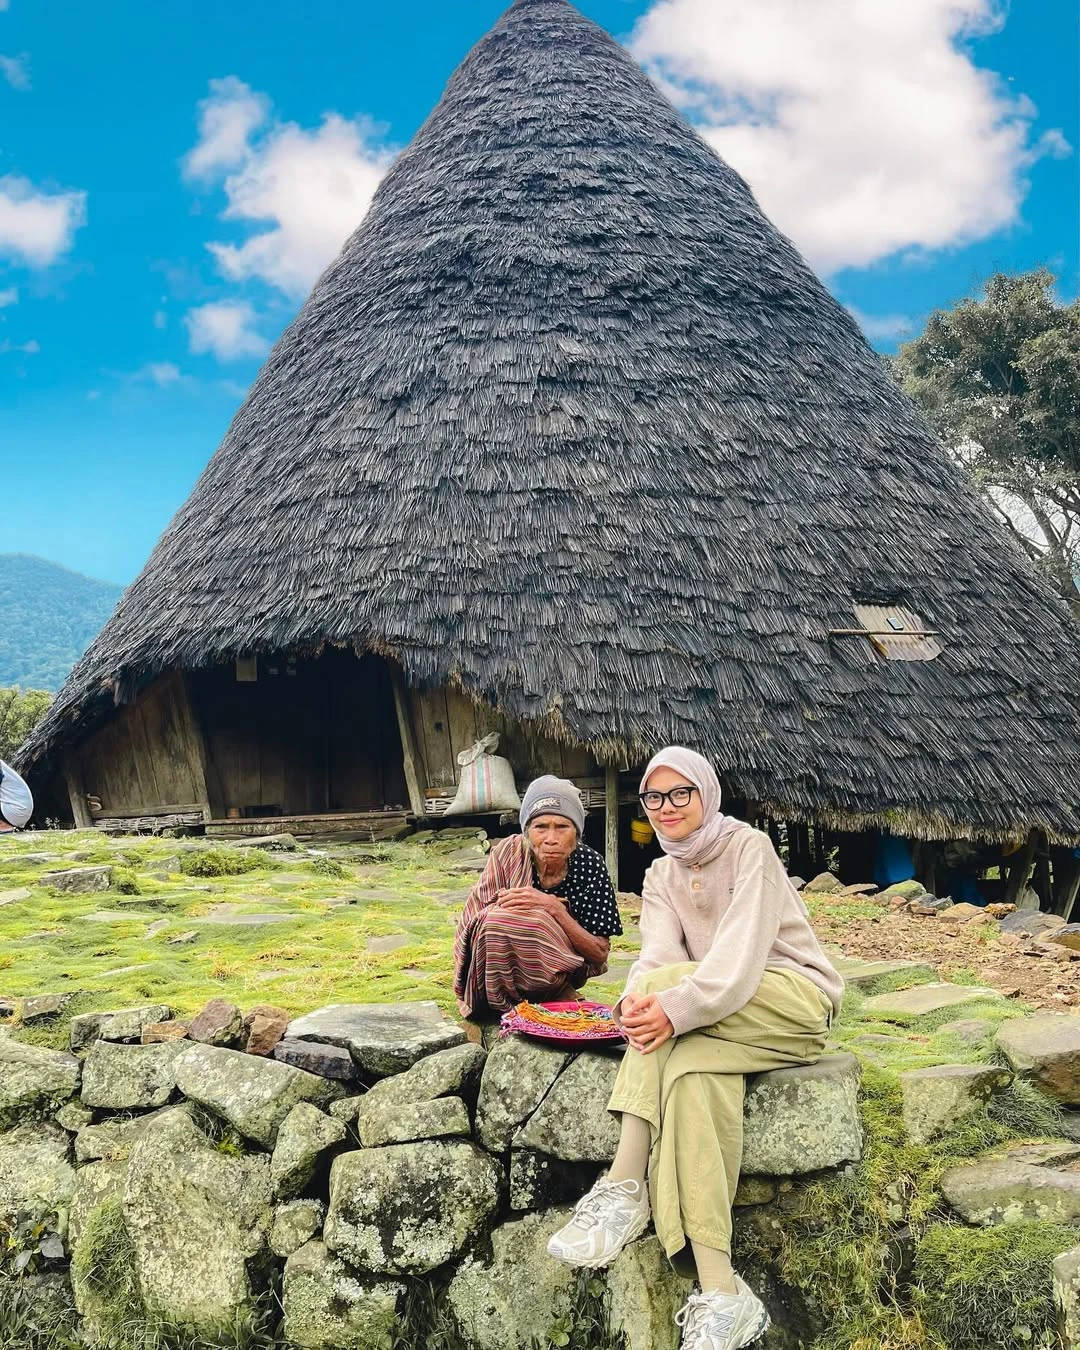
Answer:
x=551 y=838
x=674 y=822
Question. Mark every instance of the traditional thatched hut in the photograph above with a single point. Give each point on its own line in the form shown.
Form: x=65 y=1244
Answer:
x=570 y=440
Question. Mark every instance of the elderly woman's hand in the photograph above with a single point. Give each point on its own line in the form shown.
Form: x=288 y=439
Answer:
x=528 y=897
x=646 y=1024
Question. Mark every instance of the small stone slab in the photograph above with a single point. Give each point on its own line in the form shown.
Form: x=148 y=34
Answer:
x=924 y=999
x=937 y=1097
x=79 y=880
x=129 y=1077
x=1055 y=1153
x=14 y=896
x=41 y=1007
x=125 y=1024
x=390 y=943
x=1069 y=936
x=1045 y=1048
x=963 y=912
x=866 y=975
x=328 y=1061
x=158 y=1033
x=382 y=1038
x=823 y=884
x=1031 y=923
x=970 y=1030
x=1012 y=1192
x=264 y=1026
x=803 y=1119
x=295 y=1222
x=183 y=939
x=382 y=1122
x=456 y=1072
x=115 y=916
x=218 y=1023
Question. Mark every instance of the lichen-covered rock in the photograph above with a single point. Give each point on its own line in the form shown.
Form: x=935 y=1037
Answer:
x=328 y=1061
x=867 y=976
x=573 y=1122
x=937 y=1097
x=196 y=1217
x=218 y=1023
x=390 y=1122
x=643 y=1295
x=803 y=1119
x=129 y=1077
x=540 y=1182
x=455 y=1072
x=383 y=1038
x=36 y=1175
x=125 y=1024
x=329 y=1307
x=1009 y=1192
x=295 y=1222
x=250 y=1092
x=73 y=1116
x=516 y=1077
x=512 y=1302
x=94 y=1184
x=115 y=1137
x=408 y=1208
x=1045 y=1048
x=305 y=1134
x=34 y=1081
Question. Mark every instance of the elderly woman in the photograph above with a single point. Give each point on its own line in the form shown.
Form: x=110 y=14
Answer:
x=731 y=980
x=537 y=923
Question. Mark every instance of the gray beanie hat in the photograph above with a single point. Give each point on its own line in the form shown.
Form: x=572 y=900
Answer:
x=552 y=796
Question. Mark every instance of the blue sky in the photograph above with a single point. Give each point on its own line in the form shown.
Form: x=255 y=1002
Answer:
x=172 y=178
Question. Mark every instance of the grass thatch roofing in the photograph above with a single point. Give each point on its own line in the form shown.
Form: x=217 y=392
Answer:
x=570 y=422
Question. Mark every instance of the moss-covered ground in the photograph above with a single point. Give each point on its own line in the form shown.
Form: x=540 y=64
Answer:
x=878 y=1260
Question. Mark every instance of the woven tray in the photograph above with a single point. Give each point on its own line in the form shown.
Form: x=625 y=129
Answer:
x=523 y=1020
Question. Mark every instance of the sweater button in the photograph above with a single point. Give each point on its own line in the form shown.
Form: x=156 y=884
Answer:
x=696 y=885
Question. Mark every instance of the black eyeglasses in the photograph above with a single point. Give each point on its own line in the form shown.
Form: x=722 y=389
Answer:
x=678 y=796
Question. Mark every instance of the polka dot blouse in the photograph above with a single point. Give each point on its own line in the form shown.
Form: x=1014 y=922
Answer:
x=588 y=892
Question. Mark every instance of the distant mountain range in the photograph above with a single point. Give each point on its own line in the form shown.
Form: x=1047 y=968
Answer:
x=48 y=616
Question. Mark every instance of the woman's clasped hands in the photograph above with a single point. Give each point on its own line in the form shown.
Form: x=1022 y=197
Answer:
x=646 y=1024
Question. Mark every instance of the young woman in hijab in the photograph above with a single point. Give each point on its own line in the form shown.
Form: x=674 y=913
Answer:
x=537 y=923
x=731 y=980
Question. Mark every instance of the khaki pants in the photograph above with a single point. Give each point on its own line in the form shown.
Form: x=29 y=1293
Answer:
x=691 y=1092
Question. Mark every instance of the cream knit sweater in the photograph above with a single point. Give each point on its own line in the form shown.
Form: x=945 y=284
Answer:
x=737 y=916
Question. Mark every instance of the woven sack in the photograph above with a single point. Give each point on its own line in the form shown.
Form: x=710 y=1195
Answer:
x=487 y=780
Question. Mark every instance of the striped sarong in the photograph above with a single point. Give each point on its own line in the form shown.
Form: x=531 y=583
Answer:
x=502 y=956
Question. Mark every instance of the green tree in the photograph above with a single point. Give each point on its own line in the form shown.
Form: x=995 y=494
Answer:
x=20 y=711
x=998 y=377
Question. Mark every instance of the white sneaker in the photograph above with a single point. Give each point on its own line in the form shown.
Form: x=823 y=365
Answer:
x=610 y=1216
x=718 y=1321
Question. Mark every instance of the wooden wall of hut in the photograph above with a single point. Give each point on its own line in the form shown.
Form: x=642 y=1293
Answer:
x=304 y=737
x=147 y=757
x=446 y=721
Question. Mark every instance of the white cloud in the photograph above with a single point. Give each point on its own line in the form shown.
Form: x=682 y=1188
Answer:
x=883 y=327
x=310 y=187
x=16 y=70
x=862 y=126
x=161 y=373
x=36 y=227
x=30 y=348
x=225 y=328
x=9 y=297
x=227 y=119
x=160 y=318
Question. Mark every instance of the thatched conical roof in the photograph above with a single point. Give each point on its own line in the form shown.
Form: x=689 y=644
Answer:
x=571 y=423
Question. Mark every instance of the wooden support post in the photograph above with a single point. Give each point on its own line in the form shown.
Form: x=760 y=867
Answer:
x=1020 y=871
x=417 y=800
x=193 y=742
x=77 y=794
x=611 y=822
x=1067 y=886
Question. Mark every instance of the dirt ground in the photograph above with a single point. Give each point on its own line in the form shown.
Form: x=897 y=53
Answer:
x=973 y=950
